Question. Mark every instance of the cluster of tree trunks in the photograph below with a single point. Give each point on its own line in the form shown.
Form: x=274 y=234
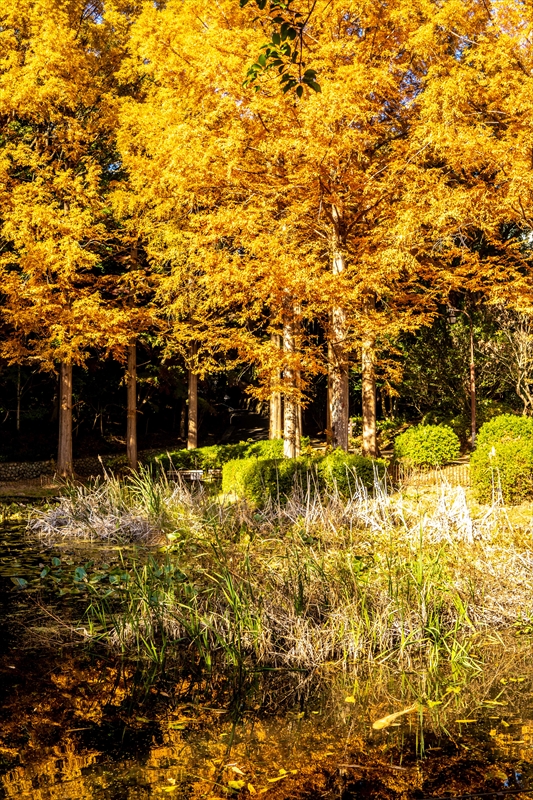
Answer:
x=285 y=407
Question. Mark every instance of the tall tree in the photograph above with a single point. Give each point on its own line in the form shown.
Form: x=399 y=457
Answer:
x=56 y=163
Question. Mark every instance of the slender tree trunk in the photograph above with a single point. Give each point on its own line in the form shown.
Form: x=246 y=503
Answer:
x=64 y=450
x=19 y=394
x=291 y=439
x=276 y=431
x=131 y=384
x=183 y=419
x=368 y=358
x=338 y=361
x=192 y=431
x=472 y=385
x=329 y=436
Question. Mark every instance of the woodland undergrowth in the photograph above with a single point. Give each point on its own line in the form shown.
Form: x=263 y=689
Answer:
x=313 y=581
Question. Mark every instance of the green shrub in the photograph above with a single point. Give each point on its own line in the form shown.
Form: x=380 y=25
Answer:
x=340 y=470
x=216 y=455
x=507 y=464
x=266 y=448
x=506 y=427
x=504 y=459
x=259 y=478
x=212 y=457
x=427 y=445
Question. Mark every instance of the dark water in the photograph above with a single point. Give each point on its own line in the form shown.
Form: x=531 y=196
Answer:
x=77 y=723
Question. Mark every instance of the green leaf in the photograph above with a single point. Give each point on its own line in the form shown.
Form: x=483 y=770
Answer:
x=79 y=574
x=20 y=582
x=299 y=91
x=291 y=33
x=262 y=60
x=276 y=38
x=244 y=3
x=44 y=572
x=56 y=562
x=314 y=86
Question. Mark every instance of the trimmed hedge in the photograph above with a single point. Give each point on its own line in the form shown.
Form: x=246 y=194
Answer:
x=216 y=455
x=257 y=479
x=212 y=457
x=506 y=427
x=341 y=470
x=427 y=445
x=507 y=465
x=504 y=460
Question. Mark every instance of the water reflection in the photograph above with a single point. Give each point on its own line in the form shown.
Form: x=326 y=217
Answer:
x=77 y=724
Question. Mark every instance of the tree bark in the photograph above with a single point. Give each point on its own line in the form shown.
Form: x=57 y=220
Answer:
x=291 y=439
x=131 y=384
x=64 y=450
x=276 y=431
x=19 y=395
x=337 y=354
x=368 y=358
x=192 y=430
x=183 y=419
x=472 y=385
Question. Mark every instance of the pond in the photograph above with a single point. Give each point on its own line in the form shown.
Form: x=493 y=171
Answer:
x=77 y=722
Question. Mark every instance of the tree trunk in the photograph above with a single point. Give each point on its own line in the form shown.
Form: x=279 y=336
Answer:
x=329 y=436
x=291 y=439
x=183 y=419
x=276 y=431
x=131 y=383
x=64 y=450
x=338 y=359
x=368 y=357
x=192 y=431
x=472 y=385
x=19 y=395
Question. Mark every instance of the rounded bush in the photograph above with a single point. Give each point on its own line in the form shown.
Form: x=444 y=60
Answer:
x=257 y=479
x=427 y=445
x=505 y=427
x=506 y=465
x=503 y=460
x=341 y=471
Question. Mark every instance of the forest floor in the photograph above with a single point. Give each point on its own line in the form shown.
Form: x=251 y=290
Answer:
x=44 y=487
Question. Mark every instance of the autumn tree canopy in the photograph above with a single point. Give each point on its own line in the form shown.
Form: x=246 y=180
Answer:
x=290 y=187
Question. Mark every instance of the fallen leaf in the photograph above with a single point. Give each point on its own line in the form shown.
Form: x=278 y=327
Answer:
x=384 y=722
x=465 y=721
x=350 y=699
x=236 y=784
x=251 y=789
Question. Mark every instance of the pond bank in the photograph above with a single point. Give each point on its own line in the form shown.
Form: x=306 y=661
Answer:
x=313 y=621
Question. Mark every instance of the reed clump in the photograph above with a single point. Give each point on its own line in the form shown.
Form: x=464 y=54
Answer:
x=320 y=579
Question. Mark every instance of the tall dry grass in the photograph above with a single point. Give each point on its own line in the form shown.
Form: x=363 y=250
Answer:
x=318 y=579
